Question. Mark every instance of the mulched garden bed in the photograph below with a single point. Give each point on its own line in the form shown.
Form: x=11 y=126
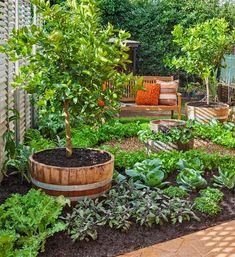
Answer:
x=111 y=242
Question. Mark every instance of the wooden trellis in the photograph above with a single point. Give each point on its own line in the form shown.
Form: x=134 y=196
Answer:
x=13 y=14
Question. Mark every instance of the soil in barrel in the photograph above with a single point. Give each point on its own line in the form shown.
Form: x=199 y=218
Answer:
x=205 y=105
x=81 y=157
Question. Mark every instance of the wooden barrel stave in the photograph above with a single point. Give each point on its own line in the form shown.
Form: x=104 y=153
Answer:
x=206 y=114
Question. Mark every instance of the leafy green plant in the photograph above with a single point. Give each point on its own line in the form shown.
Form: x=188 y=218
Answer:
x=70 y=78
x=173 y=191
x=226 y=177
x=190 y=179
x=20 y=163
x=26 y=221
x=203 y=47
x=209 y=200
x=125 y=159
x=175 y=134
x=213 y=193
x=218 y=133
x=206 y=205
x=122 y=205
x=149 y=172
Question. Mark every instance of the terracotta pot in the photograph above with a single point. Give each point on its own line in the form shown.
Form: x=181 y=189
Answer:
x=201 y=112
x=161 y=125
x=75 y=183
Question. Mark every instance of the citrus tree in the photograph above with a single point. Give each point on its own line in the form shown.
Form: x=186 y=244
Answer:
x=202 y=50
x=74 y=59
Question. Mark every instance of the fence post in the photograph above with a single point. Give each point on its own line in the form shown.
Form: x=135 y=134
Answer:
x=17 y=91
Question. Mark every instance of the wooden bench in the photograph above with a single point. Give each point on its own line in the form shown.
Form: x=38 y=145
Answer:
x=128 y=99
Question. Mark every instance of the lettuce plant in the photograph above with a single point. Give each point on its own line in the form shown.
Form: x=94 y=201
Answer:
x=149 y=172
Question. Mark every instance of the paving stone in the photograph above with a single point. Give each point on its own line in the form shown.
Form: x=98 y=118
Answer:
x=218 y=241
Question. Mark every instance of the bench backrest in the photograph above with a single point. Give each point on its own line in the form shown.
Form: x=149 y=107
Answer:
x=129 y=92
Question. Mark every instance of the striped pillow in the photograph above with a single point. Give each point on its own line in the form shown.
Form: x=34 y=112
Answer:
x=168 y=92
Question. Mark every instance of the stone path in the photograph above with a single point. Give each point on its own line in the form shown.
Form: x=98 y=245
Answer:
x=218 y=241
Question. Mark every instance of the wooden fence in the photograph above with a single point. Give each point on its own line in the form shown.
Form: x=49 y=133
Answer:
x=13 y=14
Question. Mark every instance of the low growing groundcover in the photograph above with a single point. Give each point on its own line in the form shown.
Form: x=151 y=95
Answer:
x=152 y=195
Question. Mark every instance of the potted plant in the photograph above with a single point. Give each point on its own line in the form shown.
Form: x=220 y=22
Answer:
x=202 y=50
x=73 y=59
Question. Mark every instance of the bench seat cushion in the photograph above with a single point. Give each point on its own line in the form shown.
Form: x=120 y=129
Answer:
x=168 y=92
x=149 y=96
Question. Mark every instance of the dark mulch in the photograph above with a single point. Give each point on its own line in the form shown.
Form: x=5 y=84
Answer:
x=81 y=157
x=112 y=242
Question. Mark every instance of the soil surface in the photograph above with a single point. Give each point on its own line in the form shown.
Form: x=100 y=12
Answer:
x=81 y=157
x=126 y=144
x=204 y=105
x=212 y=148
x=112 y=242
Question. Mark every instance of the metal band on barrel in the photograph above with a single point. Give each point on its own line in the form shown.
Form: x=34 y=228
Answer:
x=71 y=188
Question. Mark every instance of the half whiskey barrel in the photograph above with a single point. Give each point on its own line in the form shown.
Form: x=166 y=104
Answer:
x=75 y=183
x=201 y=112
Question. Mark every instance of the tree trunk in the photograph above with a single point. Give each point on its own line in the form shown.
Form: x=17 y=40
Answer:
x=207 y=91
x=69 y=149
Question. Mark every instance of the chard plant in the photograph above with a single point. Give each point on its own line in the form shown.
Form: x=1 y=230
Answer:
x=74 y=58
x=202 y=49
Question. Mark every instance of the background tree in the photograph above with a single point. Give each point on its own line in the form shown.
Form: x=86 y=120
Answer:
x=74 y=58
x=202 y=49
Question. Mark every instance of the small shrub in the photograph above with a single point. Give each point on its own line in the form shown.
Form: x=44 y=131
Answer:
x=207 y=206
x=214 y=194
x=173 y=191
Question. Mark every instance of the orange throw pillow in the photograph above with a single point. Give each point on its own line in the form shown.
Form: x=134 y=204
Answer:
x=149 y=96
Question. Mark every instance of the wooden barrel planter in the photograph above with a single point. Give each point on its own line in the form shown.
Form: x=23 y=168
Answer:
x=154 y=146
x=201 y=112
x=161 y=125
x=75 y=183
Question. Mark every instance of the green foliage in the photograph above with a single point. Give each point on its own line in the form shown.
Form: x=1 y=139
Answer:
x=209 y=200
x=26 y=221
x=226 y=177
x=74 y=58
x=190 y=175
x=218 y=133
x=175 y=134
x=125 y=159
x=148 y=172
x=213 y=193
x=173 y=191
x=206 y=205
x=203 y=47
x=118 y=130
x=20 y=163
x=151 y=23
x=36 y=141
x=122 y=205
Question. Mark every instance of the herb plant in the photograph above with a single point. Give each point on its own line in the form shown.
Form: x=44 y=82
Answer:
x=124 y=204
x=209 y=200
x=26 y=221
x=173 y=191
